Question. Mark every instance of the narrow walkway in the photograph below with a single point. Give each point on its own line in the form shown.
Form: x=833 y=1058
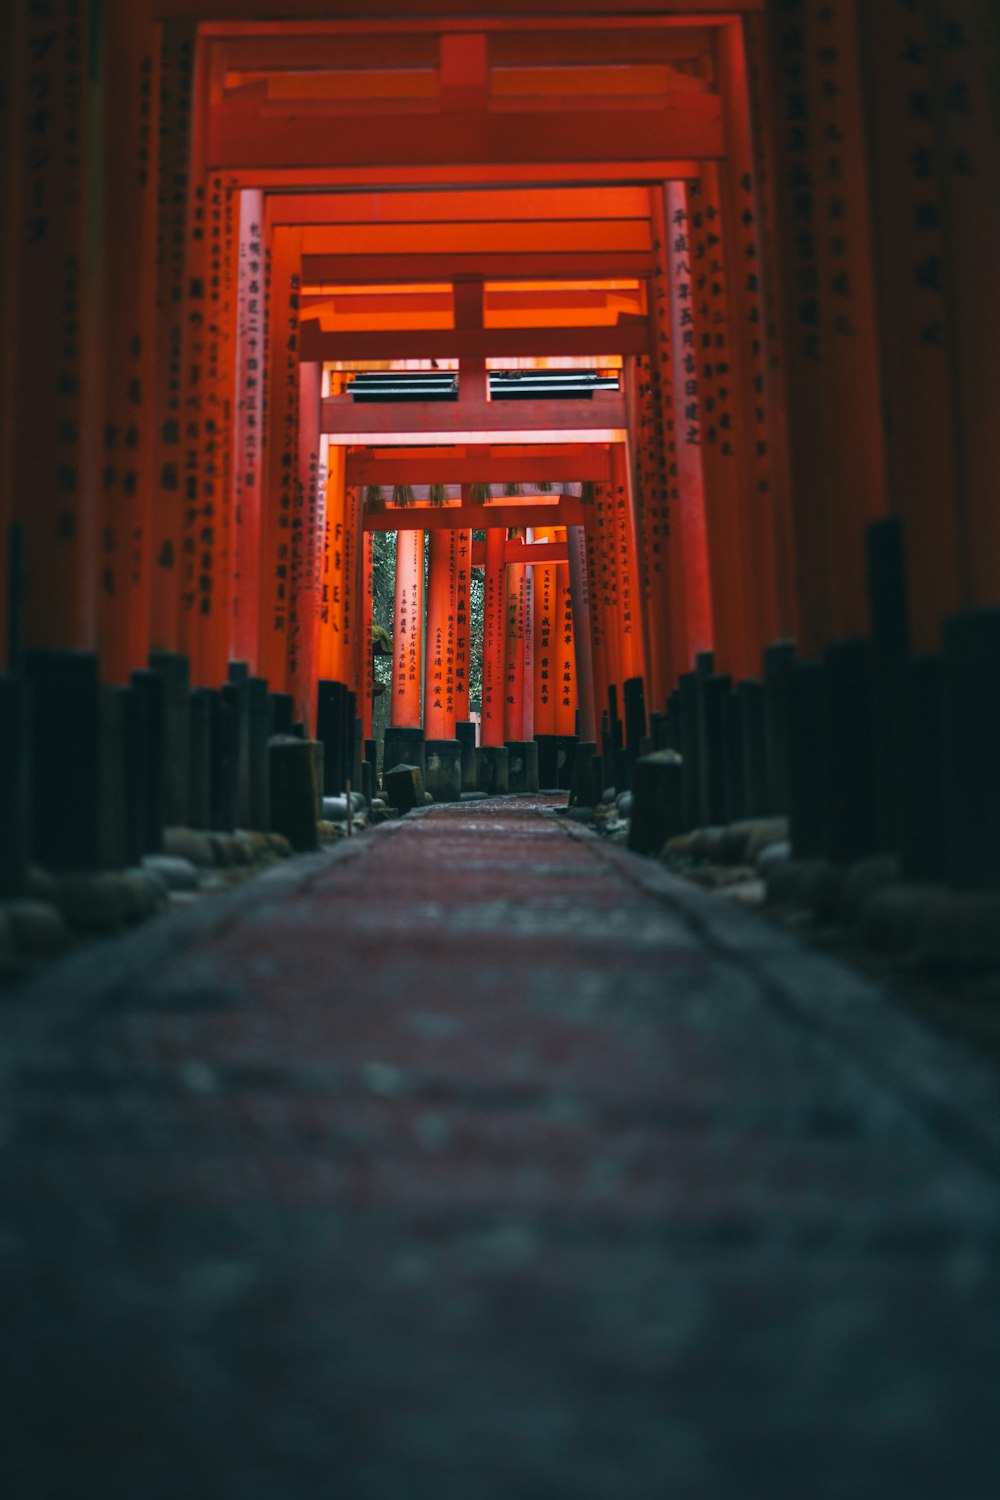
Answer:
x=483 y=1161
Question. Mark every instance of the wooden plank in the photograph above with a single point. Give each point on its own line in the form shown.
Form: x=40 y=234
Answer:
x=605 y=410
x=247 y=135
x=488 y=266
x=567 y=510
x=533 y=554
x=511 y=204
x=588 y=461
x=497 y=343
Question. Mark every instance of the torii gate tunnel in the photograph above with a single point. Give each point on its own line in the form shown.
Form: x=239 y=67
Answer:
x=692 y=308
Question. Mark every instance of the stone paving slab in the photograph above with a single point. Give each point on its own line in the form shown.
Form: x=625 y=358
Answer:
x=480 y=1160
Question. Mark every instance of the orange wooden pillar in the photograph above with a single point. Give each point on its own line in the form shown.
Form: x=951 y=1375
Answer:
x=366 y=676
x=176 y=77
x=439 y=655
x=650 y=465
x=333 y=581
x=408 y=630
x=968 y=125
x=215 y=512
x=281 y=454
x=598 y=621
x=566 y=702
x=602 y=520
x=745 y=75
x=576 y=541
x=630 y=605
x=717 y=380
x=462 y=614
x=543 y=630
x=528 y=654
x=689 y=570
x=128 y=426
x=754 y=418
x=936 y=241
x=494 y=635
x=13 y=164
x=513 y=713
x=58 y=363
x=248 y=430
x=834 y=391
x=303 y=614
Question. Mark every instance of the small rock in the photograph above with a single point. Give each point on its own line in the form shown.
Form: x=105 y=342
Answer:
x=580 y=814
x=791 y=881
x=335 y=809
x=176 y=874
x=474 y=797
x=428 y=800
x=143 y=895
x=772 y=854
x=278 y=844
x=766 y=833
x=863 y=878
x=378 y=802
x=961 y=931
x=94 y=902
x=625 y=801
x=608 y=795
x=893 y=916
x=188 y=844
x=38 y=929
x=404 y=787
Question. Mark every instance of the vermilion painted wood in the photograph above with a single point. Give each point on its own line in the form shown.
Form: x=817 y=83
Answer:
x=526 y=205
x=129 y=423
x=463 y=619
x=576 y=542
x=566 y=694
x=248 y=429
x=514 y=635
x=494 y=632
x=303 y=662
x=439 y=672
x=543 y=631
x=482 y=465
x=280 y=473
x=245 y=135
x=474 y=517
x=408 y=630
x=56 y=351
x=497 y=343
x=689 y=509
x=604 y=411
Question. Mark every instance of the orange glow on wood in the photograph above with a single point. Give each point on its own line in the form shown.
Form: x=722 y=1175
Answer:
x=494 y=636
x=303 y=619
x=566 y=691
x=439 y=655
x=544 y=618
x=462 y=612
x=513 y=714
x=248 y=430
x=408 y=630
x=280 y=476
x=129 y=423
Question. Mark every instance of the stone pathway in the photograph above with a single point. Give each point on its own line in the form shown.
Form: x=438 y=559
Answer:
x=480 y=1160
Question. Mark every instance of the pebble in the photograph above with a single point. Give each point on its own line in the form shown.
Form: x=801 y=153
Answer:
x=95 y=901
x=187 y=843
x=625 y=803
x=176 y=874
x=36 y=929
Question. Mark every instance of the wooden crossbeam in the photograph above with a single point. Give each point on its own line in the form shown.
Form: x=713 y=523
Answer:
x=566 y=510
x=535 y=554
x=528 y=265
x=316 y=343
x=494 y=465
x=604 y=411
x=250 y=134
x=513 y=205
